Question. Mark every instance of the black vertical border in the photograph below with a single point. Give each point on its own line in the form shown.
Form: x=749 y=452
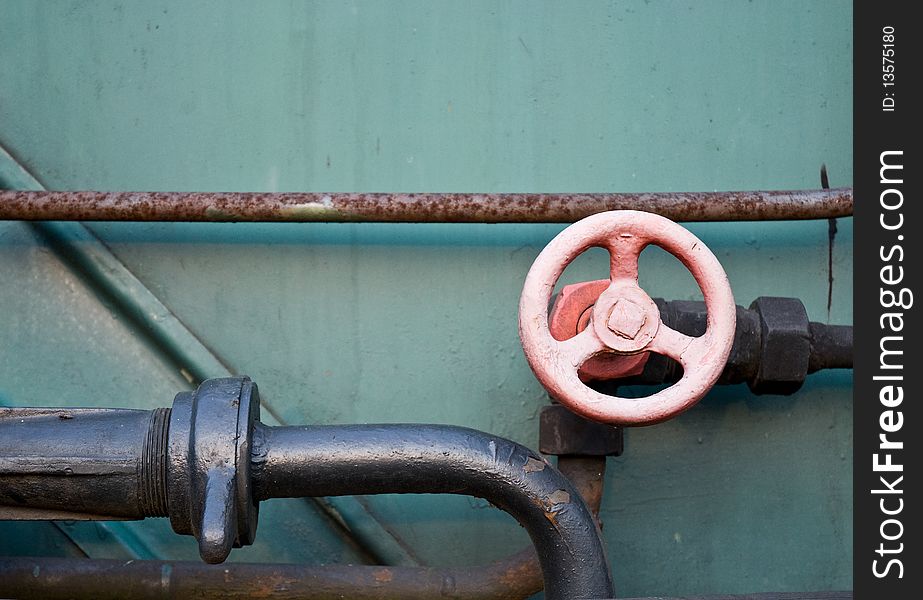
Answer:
x=876 y=131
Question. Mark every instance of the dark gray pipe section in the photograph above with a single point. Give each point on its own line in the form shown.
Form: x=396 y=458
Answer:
x=514 y=577
x=338 y=460
x=82 y=463
x=831 y=347
x=207 y=462
x=775 y=346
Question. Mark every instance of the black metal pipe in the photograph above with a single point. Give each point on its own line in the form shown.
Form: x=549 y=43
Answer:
x=207 y=462
x=515 y=577
x=831 y=347
x=82 y=463
x=775 y=346
x=437 y=459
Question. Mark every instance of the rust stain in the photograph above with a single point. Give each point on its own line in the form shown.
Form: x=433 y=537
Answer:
x=523 y=569
x=516 y=573
x=271 y=585
x=552 y=505
x=383 y=575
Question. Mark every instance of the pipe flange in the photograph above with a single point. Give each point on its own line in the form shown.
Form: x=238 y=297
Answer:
x=208 y=465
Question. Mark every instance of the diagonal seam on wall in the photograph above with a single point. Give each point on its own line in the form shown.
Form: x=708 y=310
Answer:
x=196 y=362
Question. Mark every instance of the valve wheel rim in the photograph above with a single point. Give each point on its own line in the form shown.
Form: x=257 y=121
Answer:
x=636 y=327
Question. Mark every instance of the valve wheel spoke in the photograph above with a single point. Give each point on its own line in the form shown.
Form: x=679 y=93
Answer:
x=580 y=348
x=623 y=258
x=672 y=343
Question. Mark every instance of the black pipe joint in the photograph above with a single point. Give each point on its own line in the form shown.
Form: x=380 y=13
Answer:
x=775 y=346
x=190 y=463
x=785 y=345
x=206 y=463
x=562 y=432
x=207 y=471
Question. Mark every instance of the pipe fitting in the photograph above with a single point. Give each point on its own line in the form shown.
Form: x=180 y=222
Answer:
x=207 y=467
x=208 y=461
x=775 y=346
x=190 y=463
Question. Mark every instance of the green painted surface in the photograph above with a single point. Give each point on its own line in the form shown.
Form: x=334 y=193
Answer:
x=365 y=323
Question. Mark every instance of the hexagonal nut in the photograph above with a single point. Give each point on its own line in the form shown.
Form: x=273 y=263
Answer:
x=785 y=345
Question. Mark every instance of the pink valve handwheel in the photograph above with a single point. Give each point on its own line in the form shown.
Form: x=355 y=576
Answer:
x=625 y=319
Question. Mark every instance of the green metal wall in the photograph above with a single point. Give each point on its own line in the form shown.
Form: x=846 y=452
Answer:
x=347 y=323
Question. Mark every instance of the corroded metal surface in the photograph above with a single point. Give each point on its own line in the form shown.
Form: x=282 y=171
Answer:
x=418 y=208
x=625 y=319
x=55 y=578
x=50 y=578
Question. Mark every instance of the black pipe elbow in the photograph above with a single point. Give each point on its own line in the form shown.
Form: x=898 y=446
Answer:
x=207 y=462
x=439 y=459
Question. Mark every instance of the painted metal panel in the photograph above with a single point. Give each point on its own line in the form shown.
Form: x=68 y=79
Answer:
x=364 y=323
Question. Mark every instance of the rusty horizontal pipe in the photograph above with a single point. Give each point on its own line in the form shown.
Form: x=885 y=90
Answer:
x=64 y=579
x=417 y=208
x=102 y=579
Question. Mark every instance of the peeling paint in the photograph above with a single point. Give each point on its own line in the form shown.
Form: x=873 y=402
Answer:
x=559 y=497
x=533 y=465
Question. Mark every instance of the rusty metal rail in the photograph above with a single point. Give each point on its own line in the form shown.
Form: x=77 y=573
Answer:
x=417 y=208
x=55 y=578
x=65 y=579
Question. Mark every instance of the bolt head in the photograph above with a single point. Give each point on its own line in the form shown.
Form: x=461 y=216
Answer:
x=626 y=319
